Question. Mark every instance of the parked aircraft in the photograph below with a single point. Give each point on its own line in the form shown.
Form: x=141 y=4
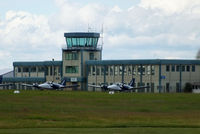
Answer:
x=119 y=86
x=51 y=85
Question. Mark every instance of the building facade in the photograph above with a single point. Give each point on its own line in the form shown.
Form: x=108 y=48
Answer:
x=82 y=64
x=160 y=75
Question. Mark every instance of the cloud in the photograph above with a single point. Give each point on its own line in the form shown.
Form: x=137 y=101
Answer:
x=151 y=29
x=25 y=36
x=172 y=6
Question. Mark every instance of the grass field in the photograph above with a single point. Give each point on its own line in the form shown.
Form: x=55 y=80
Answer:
x=97 y=112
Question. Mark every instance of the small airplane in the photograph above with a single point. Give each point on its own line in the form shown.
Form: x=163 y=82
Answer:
x=121 y=87
x=50 y=85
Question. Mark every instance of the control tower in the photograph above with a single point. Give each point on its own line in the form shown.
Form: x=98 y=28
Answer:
x=80 y=47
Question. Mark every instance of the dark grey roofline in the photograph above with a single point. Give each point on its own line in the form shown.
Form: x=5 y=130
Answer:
x=38 y=63
x=146 y=62
x=82 y=34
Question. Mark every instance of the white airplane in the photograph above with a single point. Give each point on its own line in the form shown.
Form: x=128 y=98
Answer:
x=50 y=85
x=119 y=86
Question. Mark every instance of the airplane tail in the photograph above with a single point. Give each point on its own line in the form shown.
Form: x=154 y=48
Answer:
x=63 y=82
x=132 y=82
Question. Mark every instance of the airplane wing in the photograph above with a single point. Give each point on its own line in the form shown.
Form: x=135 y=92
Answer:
x=141 y=87
x=28 y=85
x=96 y=86
x=5 y=84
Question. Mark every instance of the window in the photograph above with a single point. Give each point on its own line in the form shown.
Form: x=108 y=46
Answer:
x=89 y=70
x=134 y=70
x=71 y=69
x=152 y=70
x=116 y=70
x=25 y=69
x=177 y=68
x=167 y=87
x=173 y=68
x=193 y=68
x=19 y=70
x=51 y=71
x=188 y=68
x=167 y=68
x=40 y=69
x=106 y=70
x=141 y=69
x=183 y=68
x=98 y=70
x=33 y=69
x=91 y=56
x=148 y=69
x=129 y=70
x=93 y=70
x=120 y=69
x=111 y=70
x=71 y=56
x=125 y=70
x=102 y=70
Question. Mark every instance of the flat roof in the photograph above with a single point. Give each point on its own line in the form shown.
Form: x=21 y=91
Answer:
x=145 y=61
x=82 y=35
x=38 y=63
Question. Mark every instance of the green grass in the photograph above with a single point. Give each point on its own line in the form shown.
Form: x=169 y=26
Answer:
x=86 y=111
x=137 y=130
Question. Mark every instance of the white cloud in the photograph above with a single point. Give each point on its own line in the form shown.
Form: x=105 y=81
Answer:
x=172 y=6
x=151 y=29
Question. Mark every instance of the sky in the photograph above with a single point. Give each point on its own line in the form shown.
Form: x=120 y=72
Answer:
x=33 y=30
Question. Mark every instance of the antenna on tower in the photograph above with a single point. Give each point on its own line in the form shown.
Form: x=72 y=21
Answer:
x=102 y=36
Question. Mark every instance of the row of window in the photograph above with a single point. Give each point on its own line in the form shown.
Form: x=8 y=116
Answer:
x=178 y=68
x=32 y=69
x=118 y=70
x=71 y=56
x=49 y=71
x=71 y=69
x=82 y=42
x=75 y=56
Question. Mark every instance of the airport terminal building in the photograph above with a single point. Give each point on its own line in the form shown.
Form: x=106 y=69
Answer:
x=82 y=64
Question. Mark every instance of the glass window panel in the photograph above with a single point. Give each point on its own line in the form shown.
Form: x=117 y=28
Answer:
x=152 y=70
x=111 y=70
x=116 y=70
x=102 y=70
x=177 y=68
x=125 y=70
x=134 y=70
x=193 y=68
x=74 y=42
x=129 y=70
x=120 y=69
x=148 y=69
x=106 y=70
x=98 y=70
